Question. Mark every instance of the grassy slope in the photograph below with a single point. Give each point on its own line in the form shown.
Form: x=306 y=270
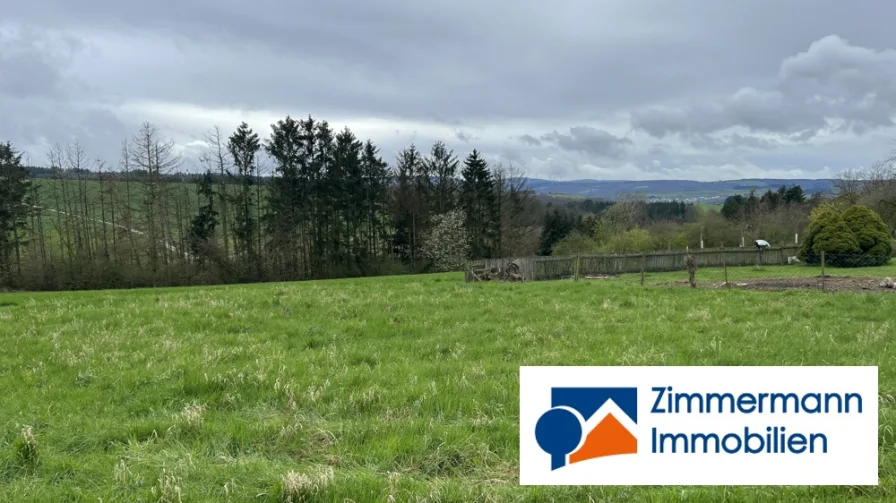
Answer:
x=405 y=386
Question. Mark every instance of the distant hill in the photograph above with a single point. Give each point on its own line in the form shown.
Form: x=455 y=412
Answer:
x=708 y=192
x=655 y=190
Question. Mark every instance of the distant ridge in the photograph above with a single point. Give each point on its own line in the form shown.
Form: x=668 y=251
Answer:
x=674 y=189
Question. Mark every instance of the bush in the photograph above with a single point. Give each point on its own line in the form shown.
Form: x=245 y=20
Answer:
x=575 y=242
x=872 y=234
x=636 y=240
x=857 y=237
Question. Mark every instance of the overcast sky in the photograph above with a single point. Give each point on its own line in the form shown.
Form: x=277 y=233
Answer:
x=632 y=89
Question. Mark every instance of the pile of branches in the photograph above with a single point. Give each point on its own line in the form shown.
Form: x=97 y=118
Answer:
x=509 y=273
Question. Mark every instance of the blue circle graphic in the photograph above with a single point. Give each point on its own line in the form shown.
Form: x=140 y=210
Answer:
x=558 y=432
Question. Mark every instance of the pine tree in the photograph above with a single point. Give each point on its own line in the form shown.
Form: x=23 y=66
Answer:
x=15 y=206
x=288 y=198
x=375 y=199
x=409 y=206
x=346 y=188
x=202 y=228
x=243 y=146
x=442 y=164
x=478 y=201
x=322 y=210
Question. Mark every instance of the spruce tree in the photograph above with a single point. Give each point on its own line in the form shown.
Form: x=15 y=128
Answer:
x=376 y=181
x=202 y=228
x=288 y=199
x=408 y=205
x=345 y=188
x=442 y=164
x=478 y=200
x=244 y=145
x=15 y=206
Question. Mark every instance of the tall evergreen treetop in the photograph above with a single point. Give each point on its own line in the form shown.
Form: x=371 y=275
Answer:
x=15 y=205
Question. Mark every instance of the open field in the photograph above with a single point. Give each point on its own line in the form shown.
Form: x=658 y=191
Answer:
x=370 y=388
x=706 y=207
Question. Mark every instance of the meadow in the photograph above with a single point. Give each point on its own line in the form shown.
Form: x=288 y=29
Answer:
x=379 y=389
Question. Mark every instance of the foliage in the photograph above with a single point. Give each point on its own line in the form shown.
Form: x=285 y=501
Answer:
x=243 y=146
x=557 y=225
x=478 y=203
x=636 y=240
x=576 y=242
x=202 y=228
x=667 y=236
x=871 y=232
x=447 y=243
x=15 y=206
x=328 y=206
x=856 y=236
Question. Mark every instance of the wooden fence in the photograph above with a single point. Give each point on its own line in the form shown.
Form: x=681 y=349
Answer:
x=547 y=268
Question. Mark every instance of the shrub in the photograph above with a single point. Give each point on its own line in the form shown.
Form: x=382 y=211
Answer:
x=872 y=234
x=856 y=237
x=575 y=242
x=820 y=218
x=636 y=240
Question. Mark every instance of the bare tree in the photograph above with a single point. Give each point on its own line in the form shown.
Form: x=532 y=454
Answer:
x=218 y=160
x=874 y=187
x=849 y=184
x=518 y=216
x=155 y=159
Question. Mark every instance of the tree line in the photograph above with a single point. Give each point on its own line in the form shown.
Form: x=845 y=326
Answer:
x=327 y=206
x=309 y=202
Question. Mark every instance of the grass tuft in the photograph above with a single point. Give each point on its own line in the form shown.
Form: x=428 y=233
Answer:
x=298 y=487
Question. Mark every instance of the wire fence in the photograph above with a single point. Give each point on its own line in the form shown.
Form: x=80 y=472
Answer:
x=827 y=273
x=768 y=269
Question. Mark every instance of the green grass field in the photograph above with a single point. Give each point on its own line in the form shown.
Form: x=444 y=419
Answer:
x=362 y=390
x=704 y=208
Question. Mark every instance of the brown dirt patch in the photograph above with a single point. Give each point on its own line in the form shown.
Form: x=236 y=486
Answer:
x=832 y=284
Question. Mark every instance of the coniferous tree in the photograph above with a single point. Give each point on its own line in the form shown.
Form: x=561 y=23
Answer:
x=288 y=197
x=409 y=205
x=442 y=164
x=346 y=189
x=15 y=206
x=321 y=164
x=202 y=228
x=376 y=180
x=243 y=146
x=478 y=201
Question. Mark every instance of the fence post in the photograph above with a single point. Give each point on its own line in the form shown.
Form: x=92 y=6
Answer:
x=576 y=278
x=643 y=266
x=725 y=266
x=822 y=271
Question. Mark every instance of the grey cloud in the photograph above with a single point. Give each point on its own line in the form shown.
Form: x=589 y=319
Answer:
x=530 y=140
x=830 y=81
x=499 y=69
x=464 y=136
x=36 y=124
x=729 y=142
x=419 y=59
x=590 y=141
x=33 y=62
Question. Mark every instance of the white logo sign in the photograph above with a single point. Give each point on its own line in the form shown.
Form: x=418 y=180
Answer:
x=698 y=426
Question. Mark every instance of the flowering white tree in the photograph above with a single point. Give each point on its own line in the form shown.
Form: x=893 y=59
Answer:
x=447 y=243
